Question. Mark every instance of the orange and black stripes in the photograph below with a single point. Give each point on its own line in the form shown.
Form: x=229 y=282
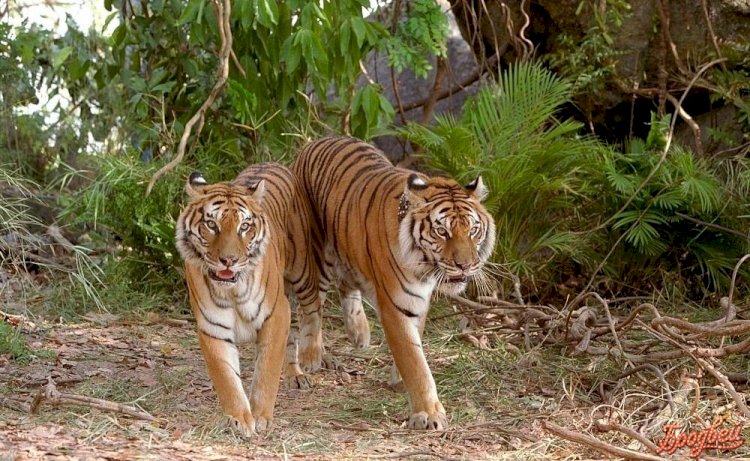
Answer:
x=395 y=235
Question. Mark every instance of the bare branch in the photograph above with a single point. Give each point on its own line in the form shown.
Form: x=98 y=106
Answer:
x=222 y=9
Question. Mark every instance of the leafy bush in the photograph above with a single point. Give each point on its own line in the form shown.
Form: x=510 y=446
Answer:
x=113 y=208
x=683 y=212
x=296 y=68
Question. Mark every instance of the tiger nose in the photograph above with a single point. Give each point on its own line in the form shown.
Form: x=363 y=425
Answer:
x=463 y=265
x=228 y=260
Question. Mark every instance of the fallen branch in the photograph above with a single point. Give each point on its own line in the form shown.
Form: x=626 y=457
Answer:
x=13 y=404
x=739 y=400
x=222 y=9
x=608 y=426
x=597 y=444
x=49 y=394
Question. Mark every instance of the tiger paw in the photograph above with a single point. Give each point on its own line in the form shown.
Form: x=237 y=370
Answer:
x=300 y=381
x=422 y=420
x=244 y=425
x=311 y=359
x=358 y=331
x=355 y=322
x=330 y=363
x=263 y=424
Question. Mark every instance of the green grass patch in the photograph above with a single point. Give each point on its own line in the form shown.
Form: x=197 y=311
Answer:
x=13 y=344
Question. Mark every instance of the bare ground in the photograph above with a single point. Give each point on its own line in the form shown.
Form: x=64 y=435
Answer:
x=497 y=399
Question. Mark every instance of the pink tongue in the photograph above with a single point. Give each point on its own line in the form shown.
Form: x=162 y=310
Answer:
x=225 y=274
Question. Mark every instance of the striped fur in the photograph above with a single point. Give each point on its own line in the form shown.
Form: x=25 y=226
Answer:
x=395 y=236
x=242 y=242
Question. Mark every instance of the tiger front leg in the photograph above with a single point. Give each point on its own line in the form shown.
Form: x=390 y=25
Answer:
x=271 y=346
x=223 y=365
x=404 y=339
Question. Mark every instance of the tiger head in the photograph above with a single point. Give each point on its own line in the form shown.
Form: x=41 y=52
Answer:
x=223 y=228
x=445 y=231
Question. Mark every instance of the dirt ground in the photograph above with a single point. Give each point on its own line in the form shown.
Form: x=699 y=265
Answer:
x=496 y=400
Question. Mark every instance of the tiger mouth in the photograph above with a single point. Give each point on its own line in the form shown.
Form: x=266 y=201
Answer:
x=225 y=276
x=456 y=279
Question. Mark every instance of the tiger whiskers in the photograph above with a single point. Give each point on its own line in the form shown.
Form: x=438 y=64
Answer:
x=484 y=283
x=498 y=270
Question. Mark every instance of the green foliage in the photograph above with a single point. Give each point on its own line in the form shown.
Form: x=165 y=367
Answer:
x=423 y=33
x=113 y=206
x=589 y=60
x=13 y=344
x=685 y=212
x=79 y=107
x=164 y=56
x=558 y=197
x=537 y=168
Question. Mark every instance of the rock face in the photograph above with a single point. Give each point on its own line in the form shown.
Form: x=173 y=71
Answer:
x=460 y=80
x=660 y=44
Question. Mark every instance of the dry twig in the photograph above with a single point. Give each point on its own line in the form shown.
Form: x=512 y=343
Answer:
x=597 y=444
x=50 y=394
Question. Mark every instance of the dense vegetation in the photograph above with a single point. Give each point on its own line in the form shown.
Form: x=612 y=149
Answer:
x=573 y=212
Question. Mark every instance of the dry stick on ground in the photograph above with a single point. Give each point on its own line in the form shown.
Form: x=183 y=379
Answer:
x=222 y=9
x=739 y=400
x=597 y=444
x=734 y=281
x=23 y=407
x=659 y=374
x=633 y=434
x=699 y=355
x=50 y=394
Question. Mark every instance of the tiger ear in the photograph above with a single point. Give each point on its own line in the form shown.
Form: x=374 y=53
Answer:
x=195 y=183
x=477 y=189
x=414 y=188
x=256 y=189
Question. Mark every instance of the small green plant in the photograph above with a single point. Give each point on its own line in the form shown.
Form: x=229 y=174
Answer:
x=18 y=220
x=13 y=344
x=113 y=207
x=590 y=60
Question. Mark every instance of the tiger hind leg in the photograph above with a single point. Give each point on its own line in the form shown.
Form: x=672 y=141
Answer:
x=355 y=320
x=294 y=377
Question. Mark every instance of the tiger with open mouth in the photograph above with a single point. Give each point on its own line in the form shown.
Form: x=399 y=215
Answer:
x=245 y=244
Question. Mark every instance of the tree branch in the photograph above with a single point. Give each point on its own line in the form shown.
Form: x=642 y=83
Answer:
x=222 y=9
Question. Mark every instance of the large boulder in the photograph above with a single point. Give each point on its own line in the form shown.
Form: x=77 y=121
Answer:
x=661 y=44
x=460 y=80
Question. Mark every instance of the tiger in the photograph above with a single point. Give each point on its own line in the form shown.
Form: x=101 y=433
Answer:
x=395 y=236
x=245 y=246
